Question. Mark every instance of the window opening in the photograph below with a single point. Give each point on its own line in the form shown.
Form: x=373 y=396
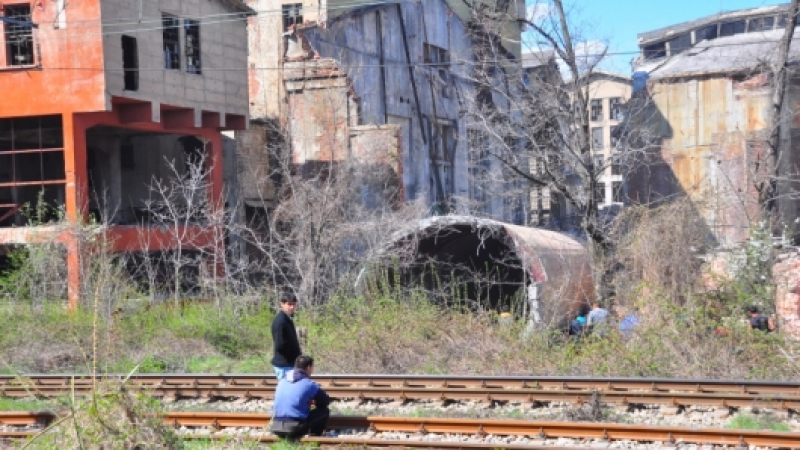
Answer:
x=706 y=33
x=655 y=51
x=732 y=28
x=761 y=24
x=596 y=110
x=617 y=194
x=193 y=64
x=130 y=63
x=600 y=194
x=292 y=15
x=615 y=108
x=616 y=164
x=435 y=55
x=19 y=38
x=479 y=169
x=172 y=42
x=597 y=138
x=615 y=134
x=31 y=168
x=599 y=162
x=680 y=44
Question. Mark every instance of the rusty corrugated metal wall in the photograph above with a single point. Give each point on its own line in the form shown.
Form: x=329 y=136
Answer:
x=707 y=137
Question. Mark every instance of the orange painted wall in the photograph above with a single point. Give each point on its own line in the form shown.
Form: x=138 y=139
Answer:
x=71 y=77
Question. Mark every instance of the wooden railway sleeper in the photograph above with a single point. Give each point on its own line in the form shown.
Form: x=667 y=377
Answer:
x=670 y=439
x=480 y=433
x=542 y=434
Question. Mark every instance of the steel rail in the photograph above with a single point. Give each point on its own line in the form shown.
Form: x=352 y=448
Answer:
x=530 y=429
x=452 y=381
x=461 y=427
x=763 y=399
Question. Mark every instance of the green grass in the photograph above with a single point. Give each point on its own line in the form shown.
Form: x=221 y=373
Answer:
x=23 y=404
x=758 y=422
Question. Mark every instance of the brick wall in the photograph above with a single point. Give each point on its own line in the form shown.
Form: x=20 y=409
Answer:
x=786 y=274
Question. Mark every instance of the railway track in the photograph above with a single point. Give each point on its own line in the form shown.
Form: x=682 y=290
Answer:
x=532 y=390
x=441 y=433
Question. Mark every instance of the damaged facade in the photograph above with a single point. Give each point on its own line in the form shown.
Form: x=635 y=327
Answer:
x=385 y=84
x=701 y=108
x=97 y=107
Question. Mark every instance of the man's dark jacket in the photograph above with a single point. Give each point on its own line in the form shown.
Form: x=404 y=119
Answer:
x=284 y=340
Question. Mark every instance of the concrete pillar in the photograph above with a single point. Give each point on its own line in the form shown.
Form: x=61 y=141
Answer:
x=76 y=198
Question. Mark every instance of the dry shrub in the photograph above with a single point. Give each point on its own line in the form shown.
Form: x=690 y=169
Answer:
x=111 y=418
x=659 y=250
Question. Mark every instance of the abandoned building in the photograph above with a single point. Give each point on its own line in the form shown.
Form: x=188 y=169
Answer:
x=606 y=93
x=701 y=108
x=104 y=97
x=380 y=83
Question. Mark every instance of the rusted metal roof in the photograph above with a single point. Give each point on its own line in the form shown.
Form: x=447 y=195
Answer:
x=556 y=263
x=674 y=30
x=728 y=55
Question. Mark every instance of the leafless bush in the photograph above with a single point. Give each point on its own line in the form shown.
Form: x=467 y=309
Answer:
x=658 y=249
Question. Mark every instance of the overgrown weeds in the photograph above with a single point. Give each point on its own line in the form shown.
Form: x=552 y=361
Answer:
x=111 y=418
x=394 y=335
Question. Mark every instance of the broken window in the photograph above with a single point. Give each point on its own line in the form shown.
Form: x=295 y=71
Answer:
x=761 y=24
x=192 y=29
x=706 y=33
x=438 y=56
x=732 y=28
x=596 y=110
x=654 y=51
x=615 y=108
x=172 y=42
x=292 y=15
x=130 y=63
x=680 y=43
x=597 y=138
x=19 y=38
x=32 y=171
x=615 y=134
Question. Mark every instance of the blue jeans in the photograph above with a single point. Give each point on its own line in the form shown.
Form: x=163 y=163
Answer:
x=280 y=372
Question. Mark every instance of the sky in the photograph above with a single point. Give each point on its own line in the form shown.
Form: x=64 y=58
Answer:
x=617 y=22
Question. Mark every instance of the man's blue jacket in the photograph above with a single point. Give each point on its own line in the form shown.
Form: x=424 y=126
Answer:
x=294 y=394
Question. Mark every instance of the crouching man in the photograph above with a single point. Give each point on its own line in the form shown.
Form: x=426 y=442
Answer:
x=292 y=416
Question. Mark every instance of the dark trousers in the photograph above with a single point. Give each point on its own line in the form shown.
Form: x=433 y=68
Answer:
x=314 y=425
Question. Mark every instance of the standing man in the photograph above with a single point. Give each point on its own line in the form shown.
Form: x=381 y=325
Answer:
x=284 y=336
x=292 y=416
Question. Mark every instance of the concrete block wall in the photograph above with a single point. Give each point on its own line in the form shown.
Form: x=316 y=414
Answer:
x=222 y=86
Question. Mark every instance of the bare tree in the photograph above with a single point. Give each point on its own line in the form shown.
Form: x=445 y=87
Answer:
x=537 y=120
x=767 y=187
